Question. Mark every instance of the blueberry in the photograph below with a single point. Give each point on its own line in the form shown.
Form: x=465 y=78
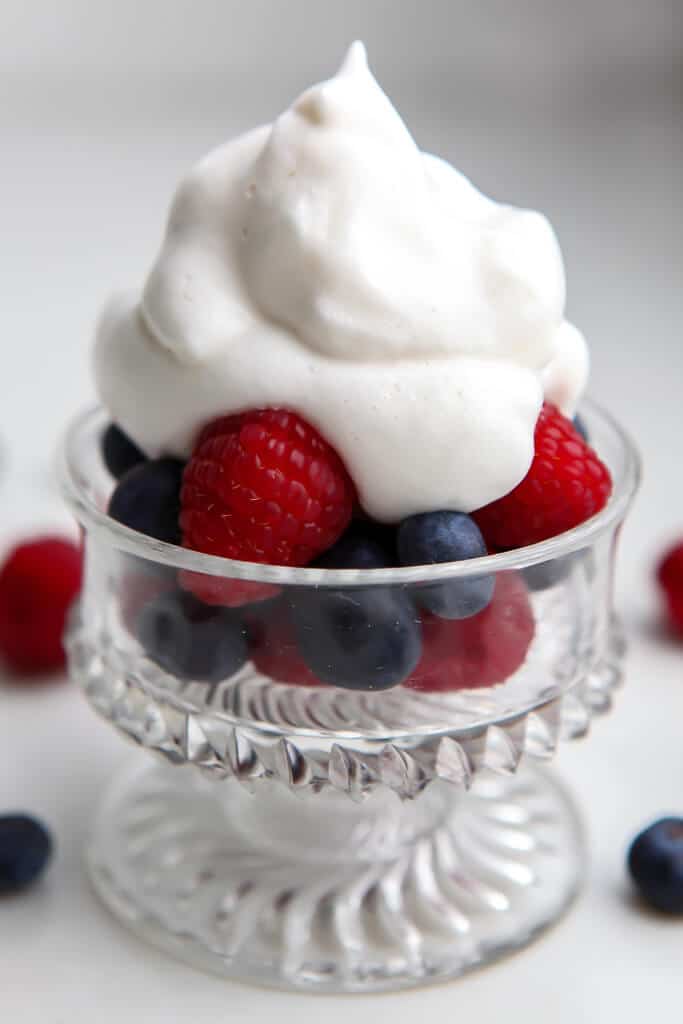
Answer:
x=434 y=537
x=581 y=428
x=655 y=862
x=361 y=547
x=25 y=849
x=119 y=452
x=192 y=640
x=545 y=575
x=359 y=639
x=147 y=498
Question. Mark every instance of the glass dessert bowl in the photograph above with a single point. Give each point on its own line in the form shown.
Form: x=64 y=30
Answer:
x=306 y=835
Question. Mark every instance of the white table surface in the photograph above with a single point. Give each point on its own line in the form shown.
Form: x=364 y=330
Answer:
x=87 y=180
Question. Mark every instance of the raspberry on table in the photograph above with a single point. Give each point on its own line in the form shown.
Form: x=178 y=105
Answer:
x=670 y=579
x=38 y=582
x=566 y=485
x=263 y=486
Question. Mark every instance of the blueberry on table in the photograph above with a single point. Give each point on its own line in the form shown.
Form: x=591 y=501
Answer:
x=655 y=862
x=192 y=640
x=358 y=639
x=434 y=537
x=119 y=452
x=147 y=499
x=25 y=849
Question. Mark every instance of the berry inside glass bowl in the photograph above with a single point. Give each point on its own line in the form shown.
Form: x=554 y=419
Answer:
x=304 y=700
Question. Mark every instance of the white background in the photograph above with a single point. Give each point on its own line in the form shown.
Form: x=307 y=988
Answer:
x=573 y=108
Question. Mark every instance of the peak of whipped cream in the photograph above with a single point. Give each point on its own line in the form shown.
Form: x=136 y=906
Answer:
x=324 y=264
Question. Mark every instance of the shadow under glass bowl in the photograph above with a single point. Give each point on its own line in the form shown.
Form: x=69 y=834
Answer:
x=253 y=862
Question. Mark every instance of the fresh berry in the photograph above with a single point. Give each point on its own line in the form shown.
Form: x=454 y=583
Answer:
x=119 y=452
x=581 y=428
x=382 y=535
x=273 y=647
x=670 y=578
x=264 y=487
x=225 y=591
x=25 y=849
x=140 y=582
x=147 y=499
x=38 y=582
x=655 y=862
x=357 y=638
x=566 y=485
x=545 y=575
x=359 y=548
x=446 y=537
x=191 y=640
x=229 y=592
x=481 y=651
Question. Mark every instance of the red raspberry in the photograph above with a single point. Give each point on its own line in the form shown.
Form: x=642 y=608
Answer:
x=274 y=651
x=264 y=487
x=226 y=592
x=566 y=485
x=470 y=654
x=38 y=582
x=670 y=579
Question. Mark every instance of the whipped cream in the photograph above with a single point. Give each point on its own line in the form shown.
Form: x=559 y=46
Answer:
x=324 y=264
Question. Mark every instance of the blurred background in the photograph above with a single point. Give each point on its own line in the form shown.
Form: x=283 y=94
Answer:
x=573 y=107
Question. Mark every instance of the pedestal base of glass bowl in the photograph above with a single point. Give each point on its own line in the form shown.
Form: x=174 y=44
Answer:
x=316 y=892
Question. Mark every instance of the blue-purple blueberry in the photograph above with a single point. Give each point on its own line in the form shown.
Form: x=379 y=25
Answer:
x=360 y=547
x=147 y=499
x=192 y=640
x=655 y=862
x=119 y=452
x=581 y=428
x=25 y=849
x=357 y=638
x=434 y=537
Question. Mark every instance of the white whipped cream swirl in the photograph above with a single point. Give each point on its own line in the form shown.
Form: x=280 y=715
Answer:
x=324 y=264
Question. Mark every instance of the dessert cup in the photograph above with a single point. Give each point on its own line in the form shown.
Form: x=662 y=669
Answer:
x=344 y=840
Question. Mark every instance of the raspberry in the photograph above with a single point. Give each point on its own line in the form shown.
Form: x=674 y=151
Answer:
x=226 y=592
x=274 y=650
x=263 y=487
x=38 y=582
x=566 y=485
x=470 y=654
x=670 y=579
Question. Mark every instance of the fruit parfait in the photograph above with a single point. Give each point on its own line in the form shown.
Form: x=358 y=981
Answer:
x=345 y=358
x=345 y=534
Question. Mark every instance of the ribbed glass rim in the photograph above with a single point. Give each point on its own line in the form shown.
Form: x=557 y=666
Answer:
x=133 y=543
